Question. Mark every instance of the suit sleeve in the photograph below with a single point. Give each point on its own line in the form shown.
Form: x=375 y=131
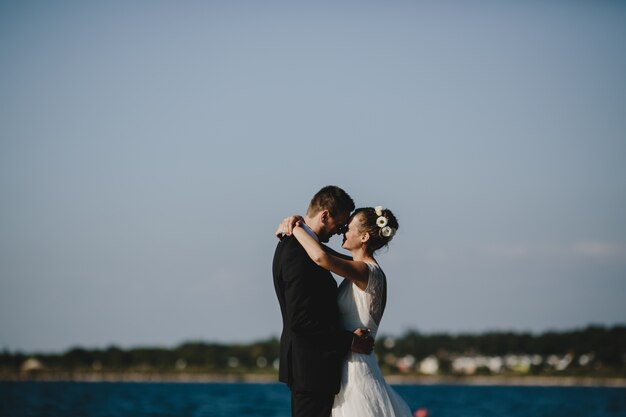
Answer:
x=303 y=310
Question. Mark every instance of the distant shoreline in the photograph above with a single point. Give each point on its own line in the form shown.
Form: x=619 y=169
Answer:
x=545 y=381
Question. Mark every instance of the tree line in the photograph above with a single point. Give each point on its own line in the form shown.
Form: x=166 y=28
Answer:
x=602 y=348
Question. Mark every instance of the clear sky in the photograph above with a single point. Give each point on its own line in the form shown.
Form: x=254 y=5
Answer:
x=149 y=149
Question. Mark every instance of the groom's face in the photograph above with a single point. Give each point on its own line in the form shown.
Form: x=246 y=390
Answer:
x=334 y=225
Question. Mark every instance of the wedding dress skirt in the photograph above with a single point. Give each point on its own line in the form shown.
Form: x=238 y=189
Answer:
x=364 y=392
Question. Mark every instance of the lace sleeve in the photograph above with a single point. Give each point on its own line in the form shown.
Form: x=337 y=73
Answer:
x=377 y=289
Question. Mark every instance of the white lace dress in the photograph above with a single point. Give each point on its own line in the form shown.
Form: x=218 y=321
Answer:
x=364 y=392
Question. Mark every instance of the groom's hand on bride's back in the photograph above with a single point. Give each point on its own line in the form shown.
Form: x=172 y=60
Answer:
x=362 y=342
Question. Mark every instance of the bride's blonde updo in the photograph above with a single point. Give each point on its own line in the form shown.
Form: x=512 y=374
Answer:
x=380 y=223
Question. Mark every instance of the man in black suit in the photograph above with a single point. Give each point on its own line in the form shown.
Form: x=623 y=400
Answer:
x=313 y=343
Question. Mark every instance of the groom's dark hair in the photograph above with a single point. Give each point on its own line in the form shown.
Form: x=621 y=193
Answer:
x=331 y=198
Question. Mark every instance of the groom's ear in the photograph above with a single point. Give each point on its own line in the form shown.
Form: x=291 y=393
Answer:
x=324 y=216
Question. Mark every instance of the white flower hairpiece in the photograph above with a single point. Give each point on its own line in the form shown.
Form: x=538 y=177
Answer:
x=388 y=231
x=382 y=222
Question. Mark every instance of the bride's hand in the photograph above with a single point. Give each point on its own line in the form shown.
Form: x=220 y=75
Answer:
x=286 y=226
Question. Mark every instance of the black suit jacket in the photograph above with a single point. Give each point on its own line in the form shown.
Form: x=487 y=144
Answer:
x=313 y=343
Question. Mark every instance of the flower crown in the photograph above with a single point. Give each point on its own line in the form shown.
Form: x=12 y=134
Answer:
x=381 y=221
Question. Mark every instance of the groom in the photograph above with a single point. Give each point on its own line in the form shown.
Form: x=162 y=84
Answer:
x=313 y=344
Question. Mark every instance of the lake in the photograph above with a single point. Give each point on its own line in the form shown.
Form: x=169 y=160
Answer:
x=122 y=399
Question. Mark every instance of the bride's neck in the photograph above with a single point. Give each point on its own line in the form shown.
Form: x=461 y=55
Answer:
x=362 y=255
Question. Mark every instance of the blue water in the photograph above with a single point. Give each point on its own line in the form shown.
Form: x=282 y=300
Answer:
x=70 y=399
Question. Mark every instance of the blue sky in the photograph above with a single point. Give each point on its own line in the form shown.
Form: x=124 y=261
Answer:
x=149 y=149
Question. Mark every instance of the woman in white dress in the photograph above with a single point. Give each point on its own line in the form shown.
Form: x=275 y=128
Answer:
x=361 y=297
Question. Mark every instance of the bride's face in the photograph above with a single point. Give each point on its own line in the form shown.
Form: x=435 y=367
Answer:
x=352 y=237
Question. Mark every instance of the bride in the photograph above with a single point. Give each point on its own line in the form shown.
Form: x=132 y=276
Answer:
x=361 y=298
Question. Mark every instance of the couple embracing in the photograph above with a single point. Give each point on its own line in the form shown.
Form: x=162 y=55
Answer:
x=326 y=347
